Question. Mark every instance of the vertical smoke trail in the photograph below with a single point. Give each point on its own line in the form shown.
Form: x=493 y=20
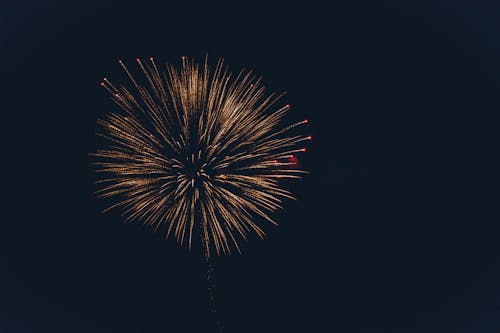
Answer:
x=212 y=292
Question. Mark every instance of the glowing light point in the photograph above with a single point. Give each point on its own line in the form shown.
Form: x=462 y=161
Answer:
x=309 y=137
x=306 y=121
x=102 y=84
x=288 y=106
x=183 y=57
x=304 y=149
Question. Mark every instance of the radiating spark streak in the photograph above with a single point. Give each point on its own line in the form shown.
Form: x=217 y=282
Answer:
x=195 y=146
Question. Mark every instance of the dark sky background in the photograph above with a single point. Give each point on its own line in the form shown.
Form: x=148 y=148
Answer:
x=392 y=231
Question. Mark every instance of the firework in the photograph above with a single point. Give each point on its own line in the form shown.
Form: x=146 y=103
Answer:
x=196 y=146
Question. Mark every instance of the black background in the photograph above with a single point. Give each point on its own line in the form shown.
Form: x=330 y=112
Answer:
x=391 y=232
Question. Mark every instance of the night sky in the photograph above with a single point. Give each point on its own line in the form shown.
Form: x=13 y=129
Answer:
x=392 y=230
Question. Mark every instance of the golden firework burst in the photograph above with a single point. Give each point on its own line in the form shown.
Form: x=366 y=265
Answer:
x=195 y=146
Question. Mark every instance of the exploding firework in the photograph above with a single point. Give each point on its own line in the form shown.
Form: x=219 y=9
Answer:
x=195 y=146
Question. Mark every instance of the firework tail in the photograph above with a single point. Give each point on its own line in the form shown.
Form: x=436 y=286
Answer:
x=211 y=284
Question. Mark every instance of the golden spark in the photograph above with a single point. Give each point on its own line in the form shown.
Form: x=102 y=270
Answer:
x=195 y=146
